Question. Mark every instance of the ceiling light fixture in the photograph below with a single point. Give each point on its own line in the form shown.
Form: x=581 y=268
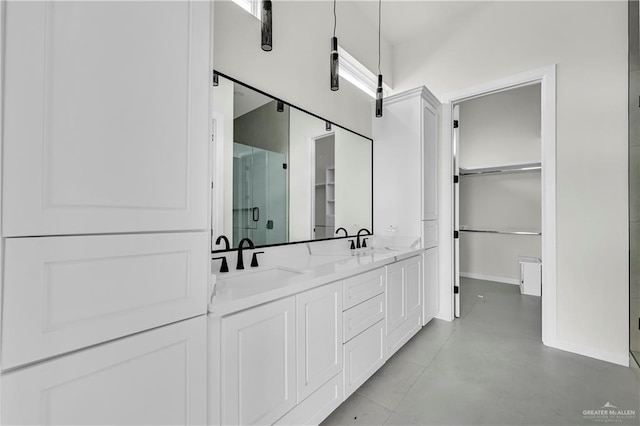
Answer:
x=334 y=62
x=280 y=106
x=327 y=126
x=215 y=78
x=379 y=89
x=267 y=27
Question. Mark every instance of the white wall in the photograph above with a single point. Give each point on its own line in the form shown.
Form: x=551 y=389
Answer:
x=588 y=42
x=500 y=129
x=297 y=69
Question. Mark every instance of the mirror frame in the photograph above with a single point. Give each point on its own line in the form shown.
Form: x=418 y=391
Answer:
x=221 y=74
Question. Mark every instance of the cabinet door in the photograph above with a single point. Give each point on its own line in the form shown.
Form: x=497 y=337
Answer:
x=66 y=293
x=396 y=296
x=152 y=378
x=429 y=162
x=106 y=125
x=363 y=356
x=319 y=337
x=259 y=364
x=430 y=299
x=413 y=275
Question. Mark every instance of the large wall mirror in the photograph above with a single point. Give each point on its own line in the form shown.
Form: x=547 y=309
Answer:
x=285 y=175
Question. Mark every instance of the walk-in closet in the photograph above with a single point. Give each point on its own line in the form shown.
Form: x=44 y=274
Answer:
x=498 y=197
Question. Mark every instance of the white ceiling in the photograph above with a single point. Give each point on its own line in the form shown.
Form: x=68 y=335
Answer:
x=405 y=20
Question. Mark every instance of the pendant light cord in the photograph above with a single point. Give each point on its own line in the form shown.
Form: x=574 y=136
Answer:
x=335 y=18
x=379 y=25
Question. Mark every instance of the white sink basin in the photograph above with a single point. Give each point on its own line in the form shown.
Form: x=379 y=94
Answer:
x=273 y=275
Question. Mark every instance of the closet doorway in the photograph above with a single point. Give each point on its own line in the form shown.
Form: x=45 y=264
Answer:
x=498 y=196
x=545 y=79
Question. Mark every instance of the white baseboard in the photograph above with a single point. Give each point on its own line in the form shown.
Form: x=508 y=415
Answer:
x=588 y=351
x=505 y=280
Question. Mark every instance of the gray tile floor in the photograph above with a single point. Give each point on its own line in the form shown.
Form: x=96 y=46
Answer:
x=490 y=368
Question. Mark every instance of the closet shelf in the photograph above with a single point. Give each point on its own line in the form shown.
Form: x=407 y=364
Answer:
x=512 y=168
x=504 y=231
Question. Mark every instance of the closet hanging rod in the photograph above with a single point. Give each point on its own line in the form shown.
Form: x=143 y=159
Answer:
x=501 y=169
x=504 y=232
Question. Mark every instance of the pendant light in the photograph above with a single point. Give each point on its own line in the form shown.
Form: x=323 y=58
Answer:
x=267 y=28
x=280 y=106
x=379 y=89
x=215 y=78
x=327 y=126
x=335 y=80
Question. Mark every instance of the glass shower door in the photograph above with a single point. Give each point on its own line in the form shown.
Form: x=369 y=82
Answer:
x=259 y=195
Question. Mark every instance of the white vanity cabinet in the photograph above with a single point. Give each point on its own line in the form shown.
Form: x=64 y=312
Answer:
x=404 y=302
x=155 y=377
x=280 y=354
x=258 y=364
x=406 y=145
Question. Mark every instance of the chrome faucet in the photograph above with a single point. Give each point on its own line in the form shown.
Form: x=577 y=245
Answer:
x=346 y=234
x=240 y=264
x=358 y=244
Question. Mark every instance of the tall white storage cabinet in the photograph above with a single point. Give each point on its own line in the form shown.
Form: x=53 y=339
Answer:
x=405 y=164
x=105 y=198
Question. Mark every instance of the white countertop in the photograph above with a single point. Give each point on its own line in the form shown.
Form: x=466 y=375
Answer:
x=294 y=270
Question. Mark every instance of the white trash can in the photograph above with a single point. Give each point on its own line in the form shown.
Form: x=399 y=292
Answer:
x=530 y=275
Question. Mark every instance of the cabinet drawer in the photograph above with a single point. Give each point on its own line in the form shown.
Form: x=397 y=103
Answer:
x=66 y=293
x=363 y=356
x=363 y=316
x=362 y=287
x=314 y=409
x=151 y=378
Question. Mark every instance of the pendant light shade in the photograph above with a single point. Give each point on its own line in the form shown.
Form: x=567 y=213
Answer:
x=335 y=80
x=379 y=97
x=333 y=58
x=215 y=78
x=327 y=126
x=280 y=107
x=379 y=93
x=267 y=27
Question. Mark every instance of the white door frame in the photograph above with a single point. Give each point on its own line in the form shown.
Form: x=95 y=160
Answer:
x=546 y=77
x=312 y=167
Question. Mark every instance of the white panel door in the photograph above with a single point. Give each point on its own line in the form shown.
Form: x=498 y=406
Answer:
x=319 y=337
x=259 y=364
x=396 y=296
x=106 y=117
x=152 y=378
x=413 y=276
x=430 y=292
x=65 y=293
